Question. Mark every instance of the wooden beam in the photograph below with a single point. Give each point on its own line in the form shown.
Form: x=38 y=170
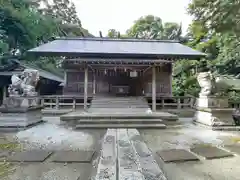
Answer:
x=85 y=87
x=154 y=88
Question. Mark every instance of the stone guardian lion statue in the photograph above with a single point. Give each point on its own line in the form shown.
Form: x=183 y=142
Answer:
x=23 y=85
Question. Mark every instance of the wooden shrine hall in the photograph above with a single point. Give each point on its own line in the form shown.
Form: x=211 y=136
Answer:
x=117 y=67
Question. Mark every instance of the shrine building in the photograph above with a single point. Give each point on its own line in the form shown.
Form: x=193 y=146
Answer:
x=117 y=67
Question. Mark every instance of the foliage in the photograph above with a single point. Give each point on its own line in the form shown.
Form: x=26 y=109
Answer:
x=25 y=24
x=112 y=33
x=219 y=15
x=215 y=31
x=151 y=27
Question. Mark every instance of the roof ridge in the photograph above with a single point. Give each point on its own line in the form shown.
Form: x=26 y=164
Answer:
x=115 y=39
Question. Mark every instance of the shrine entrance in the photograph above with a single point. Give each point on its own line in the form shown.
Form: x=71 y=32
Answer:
x=121 y=83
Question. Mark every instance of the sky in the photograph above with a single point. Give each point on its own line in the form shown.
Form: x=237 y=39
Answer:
x=102 y=15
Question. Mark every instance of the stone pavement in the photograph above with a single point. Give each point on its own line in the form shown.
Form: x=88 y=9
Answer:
x=188 y=136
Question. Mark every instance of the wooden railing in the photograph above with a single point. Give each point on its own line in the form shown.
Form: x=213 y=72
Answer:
x=73 y=101
x=234 y=104
x=180 y=102
x=60 y=101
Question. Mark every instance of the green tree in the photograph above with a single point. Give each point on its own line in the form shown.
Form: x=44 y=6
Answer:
x=172 y=30
x=23 y=27
x=147 y=27
x=112 y=33
x=61 y=9
x=220 y=15
x=151 y=27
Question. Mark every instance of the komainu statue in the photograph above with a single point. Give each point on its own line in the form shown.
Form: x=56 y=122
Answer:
x=23 y=85
x=216 y=85
x=206 y=82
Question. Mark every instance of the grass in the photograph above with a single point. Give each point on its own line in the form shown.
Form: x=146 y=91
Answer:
x=235 y=139
x=5 y=146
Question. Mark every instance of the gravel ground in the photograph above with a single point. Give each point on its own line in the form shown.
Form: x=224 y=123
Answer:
x=50 y=171
x=186 y=136
x=52 y=136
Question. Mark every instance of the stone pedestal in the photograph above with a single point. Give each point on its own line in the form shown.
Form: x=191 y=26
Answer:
x=212 y=102
x=22 y=116
x=213 y=111
x=19 y=117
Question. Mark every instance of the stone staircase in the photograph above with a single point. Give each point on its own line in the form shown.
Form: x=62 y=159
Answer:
x=118 y=112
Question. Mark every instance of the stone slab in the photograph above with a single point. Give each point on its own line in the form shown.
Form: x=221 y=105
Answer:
x=107 y=167
x=120 y=121
x=120 y=114
x=233 y=148
x=149 y=166
x=210 y=152
x=122 y=126
x=176 y=155
x=29 y=156
x=72 y=156
x=52 y=111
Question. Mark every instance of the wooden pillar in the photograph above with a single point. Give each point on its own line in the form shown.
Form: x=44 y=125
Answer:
x=170 y=79
x=57 y=102
x=4 y=93
x=94 y=83
x=153 y=88
x=65 y=78
x=85 y=87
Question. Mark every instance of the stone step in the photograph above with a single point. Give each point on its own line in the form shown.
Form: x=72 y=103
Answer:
x=113 y=100
x=133 y=103
x=118 y=109
x=118 y=126
x=117 y=115
x=120 y=121
x=119 y=106
x=119 y=101
x=113 y=103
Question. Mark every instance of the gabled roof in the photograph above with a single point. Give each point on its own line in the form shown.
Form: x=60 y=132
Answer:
x=116 y=48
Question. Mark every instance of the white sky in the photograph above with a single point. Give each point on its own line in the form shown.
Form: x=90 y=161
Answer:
x=102 y=15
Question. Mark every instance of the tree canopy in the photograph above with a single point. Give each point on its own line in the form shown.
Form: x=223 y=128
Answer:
x=26 y=24
x=152 y=27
